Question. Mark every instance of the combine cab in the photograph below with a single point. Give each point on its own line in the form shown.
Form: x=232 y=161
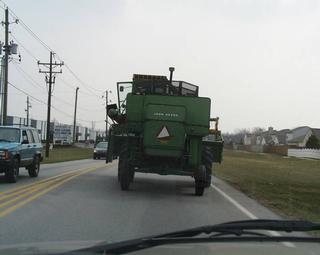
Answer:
x=162 y=126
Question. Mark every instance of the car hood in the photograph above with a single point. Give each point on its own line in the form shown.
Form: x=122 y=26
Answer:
x=232 y=249
x=183 y=249
x=45 y=247
x=8 y=146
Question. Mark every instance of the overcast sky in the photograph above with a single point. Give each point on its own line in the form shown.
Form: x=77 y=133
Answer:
x=258 y=61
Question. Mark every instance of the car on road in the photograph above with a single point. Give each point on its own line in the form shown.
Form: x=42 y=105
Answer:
x=19 y=147
x=100 y=150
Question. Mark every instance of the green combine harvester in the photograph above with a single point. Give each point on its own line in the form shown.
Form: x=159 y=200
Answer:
x=162 y=126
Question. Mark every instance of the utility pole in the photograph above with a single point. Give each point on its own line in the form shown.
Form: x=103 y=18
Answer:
x=75 y=116
x=9 y=48
x=2 y=89
x=106 y=114
x=6 y=66
x=106 y=97
x=49 y=80
x=27 y=110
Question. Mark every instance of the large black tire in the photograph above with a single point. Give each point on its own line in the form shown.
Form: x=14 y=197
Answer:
x=207 y=159
x=124 y=171
x=13 y=172
x=199 y=188
x=34 y=169
x=200 y=181
x=131 y=175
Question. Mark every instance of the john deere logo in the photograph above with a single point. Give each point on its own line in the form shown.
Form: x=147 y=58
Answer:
x=163 y=135
x=166 y=114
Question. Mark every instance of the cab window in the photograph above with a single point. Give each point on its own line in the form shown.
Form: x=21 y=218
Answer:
x=36 y=136
x=30 y=136
x=25 y=136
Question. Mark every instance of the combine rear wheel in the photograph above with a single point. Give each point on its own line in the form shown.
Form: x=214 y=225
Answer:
x=199 y=187
x=125 y=175
x=207 y=159
x=200 y=181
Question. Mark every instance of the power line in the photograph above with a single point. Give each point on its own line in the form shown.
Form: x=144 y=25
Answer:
x=70 y=116
x=65 y=102
x=36 y=99
x=86 y=86
x=46 y=46
x=22 y=91
x=36 y=59
x=28 y=51
x=27 y=28
x=74 y=87
x=4 y=6
x=55 y=108
x=66 y=83
x=81 y=108
x=70 y=104
x=19 y=69
x=89 y=88
x=25 y=74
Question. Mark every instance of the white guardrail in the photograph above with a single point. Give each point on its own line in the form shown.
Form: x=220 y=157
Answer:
x=304 y=153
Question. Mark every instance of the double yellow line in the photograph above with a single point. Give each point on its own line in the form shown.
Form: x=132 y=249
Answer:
x=15 y=198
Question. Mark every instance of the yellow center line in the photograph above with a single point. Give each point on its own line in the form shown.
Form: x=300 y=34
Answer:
x=32 y=187
x=43 y=192
x=32 y=190
x=21 y=188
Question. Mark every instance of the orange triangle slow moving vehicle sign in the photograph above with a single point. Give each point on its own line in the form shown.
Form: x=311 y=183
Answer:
x=163 y=134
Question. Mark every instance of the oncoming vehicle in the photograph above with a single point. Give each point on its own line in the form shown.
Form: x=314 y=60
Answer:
x=19 y=147
x=100 y=150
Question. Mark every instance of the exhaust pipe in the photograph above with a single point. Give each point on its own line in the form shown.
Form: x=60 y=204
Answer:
x=171 y=69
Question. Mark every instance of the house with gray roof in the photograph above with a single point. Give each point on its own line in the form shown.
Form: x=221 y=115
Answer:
x=233 y=138
x=282 y=136
x=268 y=137
x=249 y=139
x=298 y=137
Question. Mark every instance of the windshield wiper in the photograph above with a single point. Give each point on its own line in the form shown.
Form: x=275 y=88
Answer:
x=236 y=231
x=239 y=226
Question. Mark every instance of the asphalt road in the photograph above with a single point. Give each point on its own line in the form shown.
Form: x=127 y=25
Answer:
x=82 y=200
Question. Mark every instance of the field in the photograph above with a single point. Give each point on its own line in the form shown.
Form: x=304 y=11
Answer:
x=289 y=186
x=61 y=154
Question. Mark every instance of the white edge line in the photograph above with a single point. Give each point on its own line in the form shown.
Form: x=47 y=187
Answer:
x=248 y=213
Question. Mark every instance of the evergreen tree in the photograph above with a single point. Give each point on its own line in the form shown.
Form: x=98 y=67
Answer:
x=313 y=142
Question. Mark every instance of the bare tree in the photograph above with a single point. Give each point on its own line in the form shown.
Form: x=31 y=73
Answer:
x=242 y=131
x=257 y=130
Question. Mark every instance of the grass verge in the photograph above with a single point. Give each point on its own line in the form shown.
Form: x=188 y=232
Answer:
x=62 y=154
x=289 y=186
